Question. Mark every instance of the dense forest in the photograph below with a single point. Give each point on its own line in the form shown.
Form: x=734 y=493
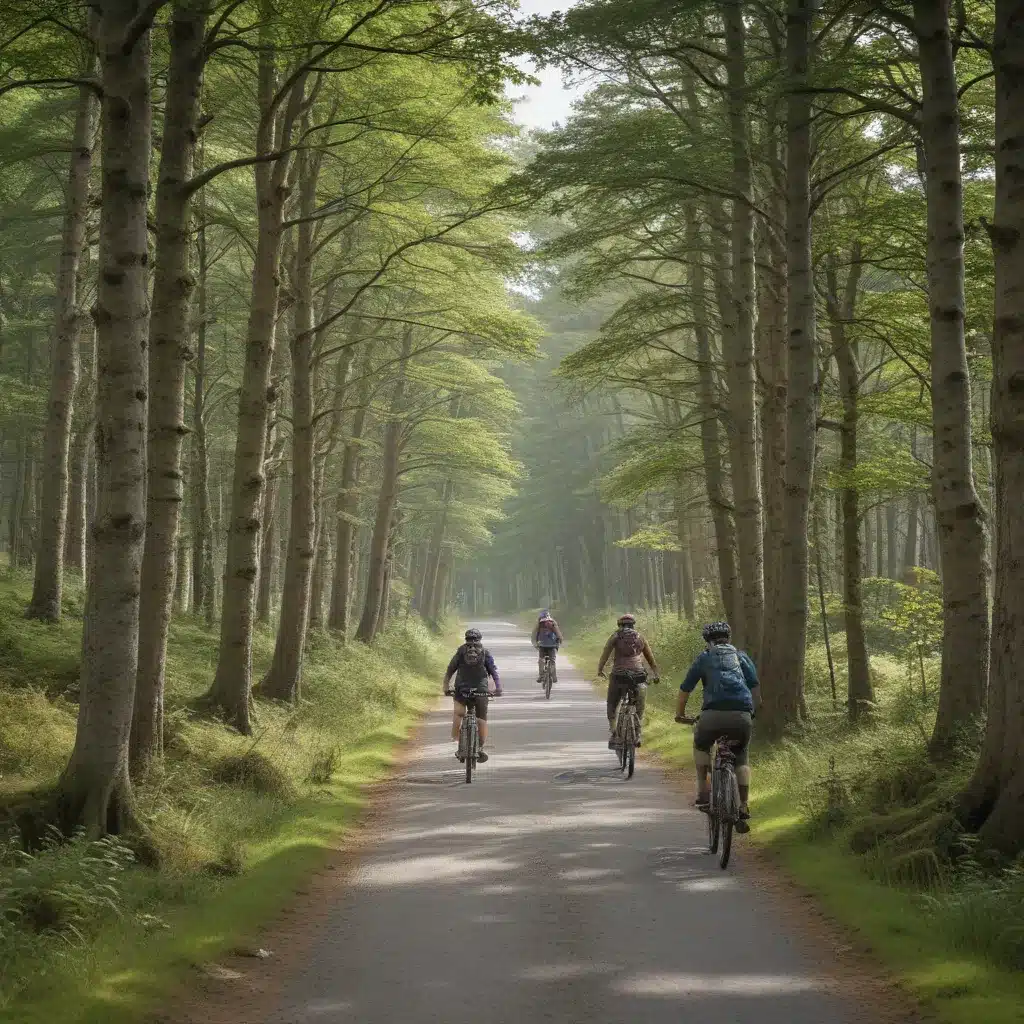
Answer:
x=303 y=342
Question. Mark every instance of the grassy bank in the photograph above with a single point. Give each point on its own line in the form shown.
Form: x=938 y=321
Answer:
x=87 y=934
x=862 y=819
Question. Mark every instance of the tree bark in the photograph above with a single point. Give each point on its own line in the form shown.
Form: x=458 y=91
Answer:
x=232 y=684
x=960 y=518
x=721 y=505
x=284 y=677
x=841 y=308
x=386 y=501
x=169 y=353
x=739 y=343
x=49 y=576
x=995 y=799
x=785 y=637
x=81 y=453
x=95 y=791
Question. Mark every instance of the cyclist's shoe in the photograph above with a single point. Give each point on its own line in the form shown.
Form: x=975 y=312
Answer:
x=702 y=804
x=612 y=745
x=459 y=757
x=743 y=822
x=481 y=756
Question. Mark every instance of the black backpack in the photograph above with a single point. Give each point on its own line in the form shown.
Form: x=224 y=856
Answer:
x=473 y=655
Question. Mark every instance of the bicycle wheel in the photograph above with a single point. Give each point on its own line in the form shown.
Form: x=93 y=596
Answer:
x=712 y=813
x=547 y=679
x=730 y=810
x=631 y=765
x=470 y=747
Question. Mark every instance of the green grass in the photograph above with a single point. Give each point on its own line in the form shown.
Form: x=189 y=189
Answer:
x=947 y=931
x=239 y=823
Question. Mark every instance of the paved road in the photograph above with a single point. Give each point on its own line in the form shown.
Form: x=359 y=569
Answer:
x=549 y=890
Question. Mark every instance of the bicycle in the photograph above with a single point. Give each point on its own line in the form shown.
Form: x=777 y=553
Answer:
x=723 y=811
x=469 y=738
x=547 y=673
x=627 y=723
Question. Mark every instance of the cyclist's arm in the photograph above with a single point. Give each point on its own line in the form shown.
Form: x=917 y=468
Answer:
x=453 y=667
x=649 y=655
x=492 y=671
x=689 y=684
x=535 y=634
x=558 y=633
x=750 y=675
x=606 y=653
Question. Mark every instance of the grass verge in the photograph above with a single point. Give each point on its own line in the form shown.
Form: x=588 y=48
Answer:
x=947 y=929
x=239 y=823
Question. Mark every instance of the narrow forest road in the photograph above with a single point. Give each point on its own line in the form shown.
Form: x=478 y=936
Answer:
x=550 y=890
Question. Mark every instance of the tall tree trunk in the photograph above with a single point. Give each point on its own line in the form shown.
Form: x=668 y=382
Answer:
x=49 y=577
x=81 y=453
x=348 y=508
x=892 y=540
x=169 y=353
x=203 y=585
x=960 y=518
x=995 y=798
x=841 y=308
x=785 y=638
x=95 y=791
x=232 y=684
x=386 y=501
x=721 y=505
x=284 y=678
x=739 y=342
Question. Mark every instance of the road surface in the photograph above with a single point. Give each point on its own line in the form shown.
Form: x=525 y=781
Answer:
x=550 y=890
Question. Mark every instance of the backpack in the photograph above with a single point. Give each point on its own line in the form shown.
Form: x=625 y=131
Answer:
x=628 y=642
x=473 y=655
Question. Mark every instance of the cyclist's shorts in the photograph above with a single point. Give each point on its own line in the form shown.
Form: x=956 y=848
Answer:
x=548 y=652
x=734 y=725
x=478 y=700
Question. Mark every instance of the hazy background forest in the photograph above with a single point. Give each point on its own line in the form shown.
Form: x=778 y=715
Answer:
x=308 y=352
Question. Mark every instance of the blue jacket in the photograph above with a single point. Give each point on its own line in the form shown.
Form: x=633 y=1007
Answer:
x=728 y=676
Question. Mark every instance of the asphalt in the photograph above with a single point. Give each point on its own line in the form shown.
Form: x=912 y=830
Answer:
x=551 y=890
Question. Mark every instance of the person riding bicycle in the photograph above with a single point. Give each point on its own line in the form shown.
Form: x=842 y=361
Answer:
x=631 y=649
x=472 y=666
x=731 y=696
x=546 y=638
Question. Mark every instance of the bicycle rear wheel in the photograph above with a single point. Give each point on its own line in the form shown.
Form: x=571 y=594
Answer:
x=730 y=812
x=631 y=763
x=470 y=747
x=547 y=679
x=712 y=813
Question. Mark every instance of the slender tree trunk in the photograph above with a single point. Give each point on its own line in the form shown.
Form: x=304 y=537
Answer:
x=995 y=799
x=386 y=501
x=169 y=353
x=739 y=343
x=232 y=684
x=49 y=577
x=721 y=505
x=786 y=637
x=284 y=678
x=203 y=585
x=892 y=540
x=81 y=453
x=348 y=509
x=860 y=694
x=95 y=792
x=960 y=518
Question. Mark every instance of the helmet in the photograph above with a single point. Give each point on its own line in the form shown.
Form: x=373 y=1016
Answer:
x=627 y=620
x=545 y=614
x=716 y=631
x=473 y=636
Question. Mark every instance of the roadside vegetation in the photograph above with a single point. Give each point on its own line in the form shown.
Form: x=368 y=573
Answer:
x=99 y=928
x=861 y=816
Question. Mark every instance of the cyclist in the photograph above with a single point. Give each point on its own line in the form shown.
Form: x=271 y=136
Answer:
x=546 y=638
x=472 y=666
x=731 y=696
x=631 y=649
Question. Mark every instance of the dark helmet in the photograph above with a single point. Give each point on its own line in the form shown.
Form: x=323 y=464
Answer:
x=716 y=631
x=473 y=636
x=627 y=620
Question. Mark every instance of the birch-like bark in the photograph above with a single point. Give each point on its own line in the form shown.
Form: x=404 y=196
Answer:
x=49 y=575
x=738 y=343
x=169 y=353
x=232 y=684
x=960 y=518
x=95 y=792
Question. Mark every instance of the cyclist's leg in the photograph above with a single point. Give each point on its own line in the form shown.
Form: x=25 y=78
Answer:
x=612 y=703
x=458 y=714
x=703 y=739
x=481 y=703
x=741 y=739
